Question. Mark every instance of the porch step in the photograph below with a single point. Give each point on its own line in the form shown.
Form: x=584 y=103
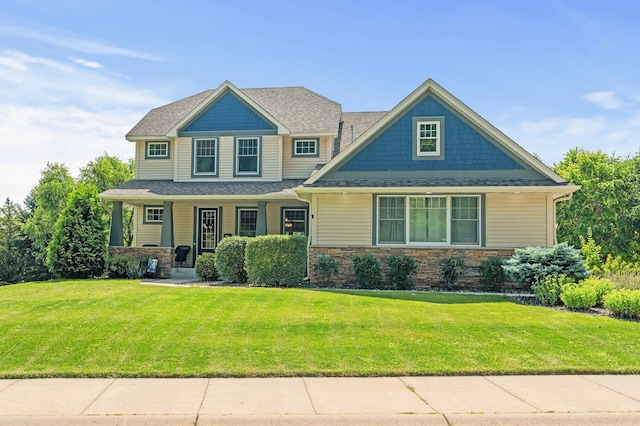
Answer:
x=183 y=272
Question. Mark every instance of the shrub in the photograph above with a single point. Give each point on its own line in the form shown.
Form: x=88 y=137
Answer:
x=601 y=286
x=492 y=276
x=402 y=268
x=123 y=266
x=577 y=296
x=531 y=264
x=451 y=269
x=591 y=252
x=624 y=302
x=276 y=260
x=230 y=259
x=206 y=267
x=367 y=270
x=618 y=266
x=326 y=266
x=548 y=289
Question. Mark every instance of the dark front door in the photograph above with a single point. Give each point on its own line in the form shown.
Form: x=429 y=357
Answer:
x=207 y=230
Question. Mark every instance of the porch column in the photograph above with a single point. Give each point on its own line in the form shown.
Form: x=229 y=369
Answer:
x=166 y=236
x=261 y=220
x=115 y=230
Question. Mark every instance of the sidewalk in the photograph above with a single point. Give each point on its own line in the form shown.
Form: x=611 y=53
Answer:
x=472 y=400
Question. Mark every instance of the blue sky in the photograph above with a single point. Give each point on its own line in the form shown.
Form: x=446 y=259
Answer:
x=76 y=75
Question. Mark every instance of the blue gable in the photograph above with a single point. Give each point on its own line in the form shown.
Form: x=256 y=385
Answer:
x=228 y=113
x=464 y=147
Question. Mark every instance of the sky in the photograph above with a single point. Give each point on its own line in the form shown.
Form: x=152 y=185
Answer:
x=77 y=75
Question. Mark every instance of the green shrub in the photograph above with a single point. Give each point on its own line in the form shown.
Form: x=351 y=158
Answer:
x=402 y=269
x=326 y=266
x=548 y=289
x=530 y=265
x=601 y=286
x=492 y=276
x=591 y=252
x=618 y=266
x=276 y=260
x=451 y=269
x=624 y=302
x=367 y=271
x=230 y=259
x=123 y=266
x=206 y=267
x=578 y=296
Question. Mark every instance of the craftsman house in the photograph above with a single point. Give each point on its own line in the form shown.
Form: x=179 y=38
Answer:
x=430 y=178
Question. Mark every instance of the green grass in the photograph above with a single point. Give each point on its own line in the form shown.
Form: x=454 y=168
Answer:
x=122 y=328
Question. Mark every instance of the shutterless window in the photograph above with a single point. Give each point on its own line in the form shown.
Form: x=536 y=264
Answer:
x=465 y=220
x=157 y=149
x=247 y=220
x=294 y=221
x=391 y=222
x=153 y=214
x=428 y=137
x=247 y=156
x=428 y=219
x=306 y=147
x=205 y=152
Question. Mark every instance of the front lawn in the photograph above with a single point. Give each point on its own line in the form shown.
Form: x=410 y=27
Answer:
x=123 y=328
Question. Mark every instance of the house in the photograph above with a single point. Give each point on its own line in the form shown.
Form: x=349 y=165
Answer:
x=430 y=178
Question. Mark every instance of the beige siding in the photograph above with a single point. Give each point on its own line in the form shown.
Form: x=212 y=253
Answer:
x=344 y=220
x=517 y=220
x=146 y=233
x=153 y=168
x=271 y=157
x=301 y=167
x=183 y=159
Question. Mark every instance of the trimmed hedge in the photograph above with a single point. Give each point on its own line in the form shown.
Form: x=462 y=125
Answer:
x=601 y=286
x=577 y=296
x=206 y=267
x=276 y=260
x=230 y=259
x=624 y=302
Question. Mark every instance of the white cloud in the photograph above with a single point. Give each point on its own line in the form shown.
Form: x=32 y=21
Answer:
x=606 y=100
x=88 y=64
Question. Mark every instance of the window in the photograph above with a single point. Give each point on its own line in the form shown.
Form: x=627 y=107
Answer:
x=153 y=214
x=247 y=156
x=431 y=220
x=428 y=138
x=305 y=148
x=247 y=220
x=205 y=157
x=294 y=221
x=157 y=150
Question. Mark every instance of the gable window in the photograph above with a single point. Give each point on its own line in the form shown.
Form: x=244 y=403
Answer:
x=247 y=222
x=247 y=156
x=294 y=221
x=153 y=214
x=431 y=220
x=428 y=138
x=306 y=148
x=157 y=150
x=205 y=156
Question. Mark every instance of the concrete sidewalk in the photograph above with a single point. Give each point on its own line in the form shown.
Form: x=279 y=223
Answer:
x=473 y=400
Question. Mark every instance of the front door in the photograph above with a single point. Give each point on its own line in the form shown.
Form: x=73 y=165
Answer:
x=207 y=230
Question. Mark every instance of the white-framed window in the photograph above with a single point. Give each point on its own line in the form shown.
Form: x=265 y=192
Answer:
x=157 y=150
x=305 y=148
x=153 y=214
x=247 y=220
x=205 y=157
x=247 y=161
x=428 y=138
x=294 y=221
x=429 y=220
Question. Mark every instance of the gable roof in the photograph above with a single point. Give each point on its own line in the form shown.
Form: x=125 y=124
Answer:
x=430 y=86
x=356 y=123
x=294 y=110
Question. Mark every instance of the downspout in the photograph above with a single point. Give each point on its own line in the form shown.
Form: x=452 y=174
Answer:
x=309 y=237
x=560 y=199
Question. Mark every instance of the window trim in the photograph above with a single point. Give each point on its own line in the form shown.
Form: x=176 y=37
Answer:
x=236 y=163
x=241 y=209
x=440 y=141
x=147 y=147
x=306 y=218
x=145 y=209
x=294 y=147
x=194 y=158
x=407 y=215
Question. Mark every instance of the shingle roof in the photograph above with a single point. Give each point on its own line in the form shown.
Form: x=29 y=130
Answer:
x=360 y=121
x=298 y=108
x=404 y=183
x=151 y=188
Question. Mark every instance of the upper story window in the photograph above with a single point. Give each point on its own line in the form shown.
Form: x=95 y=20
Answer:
x=428 y=138
x=157 y=150
x=153 y=214
x=205 y=157
x=247 y=156
x=306 y=148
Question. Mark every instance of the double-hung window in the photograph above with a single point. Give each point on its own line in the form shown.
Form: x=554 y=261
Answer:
x=430 y=220
x=428 y=138
x=205 y=156
x=247 y=161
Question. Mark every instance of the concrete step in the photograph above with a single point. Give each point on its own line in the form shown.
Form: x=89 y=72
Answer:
x=183 y=272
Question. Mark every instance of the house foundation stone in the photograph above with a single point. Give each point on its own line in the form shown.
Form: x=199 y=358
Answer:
x=164 y=255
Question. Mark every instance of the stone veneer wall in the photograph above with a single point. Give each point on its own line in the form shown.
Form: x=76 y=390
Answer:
x=429 y=272
x=164 y=255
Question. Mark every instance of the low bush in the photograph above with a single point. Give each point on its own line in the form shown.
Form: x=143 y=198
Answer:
x=578 y=296
x=549 y=288
x=367 y=271
x=402 y=269
x=123 y=266
x=276 y=260
x=624 y=302
x=206 y=267
x=601 y=286
x=230 y=259
x=451 y=269
x=492 y=276
x=326 y=266
x=531 y=265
